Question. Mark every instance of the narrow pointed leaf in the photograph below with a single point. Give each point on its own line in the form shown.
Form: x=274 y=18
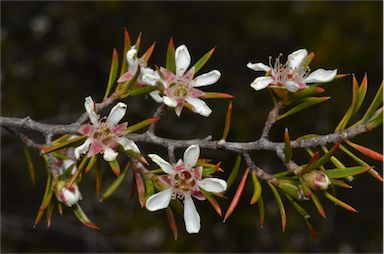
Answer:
x=325 y=158
x=234 y=172
x=60 y=208
x=334 y=160
x=339 y=202
x=261 y=208
x=31 y=168
x=238 y=194
x=46 y=199
x=366 y=151
x=341 y=184
x=318 y=205
x=112 y=72
x=345 y=172
x=306 y=190
x=170 y=59
x=98 y=178
x=49 y=214
x=70 y=142
x=256 y=188
x=79 y=170
x=140 y=188
x=127 y=45
x=149 y=187
x=115 y=167
x=280 y=205
x=362 y=91
x=212 y=201
x=216 y=95
x=145 y=57
x=172 y=222
x=203 y=60
x=355 y=95
x=141 y=125
x=139 y=91
x=227 y=124
x=138 y=42
x=91 y=163
x=287 y=146
x=307 y=103
x=82 y=217
x=115 y=184
x=309 y=91
x=375 y=104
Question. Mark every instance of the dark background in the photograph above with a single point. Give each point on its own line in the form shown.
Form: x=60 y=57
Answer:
x=54 y=54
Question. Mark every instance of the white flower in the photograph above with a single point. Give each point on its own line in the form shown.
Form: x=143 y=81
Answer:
x=104 y=136
x=293 y=75
x=69 y=196
x=184 y=181
x=180 y=88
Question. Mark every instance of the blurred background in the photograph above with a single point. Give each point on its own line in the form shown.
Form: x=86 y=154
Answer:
x=53 y=54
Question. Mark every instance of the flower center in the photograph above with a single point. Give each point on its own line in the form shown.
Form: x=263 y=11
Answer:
x=183 y=182
x=180 y=90
x=104 y=134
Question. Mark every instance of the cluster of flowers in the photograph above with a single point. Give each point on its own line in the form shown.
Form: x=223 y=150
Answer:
x=184 y=179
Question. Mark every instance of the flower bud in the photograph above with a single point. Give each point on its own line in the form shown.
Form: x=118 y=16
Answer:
x=68 y=196
x=317 y=180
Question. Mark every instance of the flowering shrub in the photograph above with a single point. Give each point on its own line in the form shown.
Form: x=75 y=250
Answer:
x=171 y=185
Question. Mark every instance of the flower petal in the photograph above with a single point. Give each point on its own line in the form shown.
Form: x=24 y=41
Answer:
x=321 y=76
x=128 y=144
x=191 y=216
x=109 y=154
x=261 y=83
x=207 y=78
x=170 y=102
x=191 y=155
x=132 y=59
x=258 y=67
x=296 y=58
x=213 y=185
x=159 y=200
x=117 y=113
x=199 y=106
x=150 y=77
x=292 y=86
x=164 y=165
x=183 y=60
x=89 y=105
x=82 y=149
x=86 y=129
x=156 y=96
x=178 y=109
x=67 y=163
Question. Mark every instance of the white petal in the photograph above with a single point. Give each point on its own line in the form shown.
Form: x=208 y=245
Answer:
x=170 y=102
x=183 y=60
x=213 y=185
x=89 y=105
x=109 y=154
x=150 y=76
x=296 y=58
x=291 y=86
x=191 y=216
x=191 y=155
x=117 y=113
x=128 y=144
x=82 y=149
x=132 y=59
x=199 y=106
x=261 y=83
x=320 y=75
x=159 y=200
x=156 y=96
x=164 y=165
x=207 y=78
x=258 y=67
x=68 y=163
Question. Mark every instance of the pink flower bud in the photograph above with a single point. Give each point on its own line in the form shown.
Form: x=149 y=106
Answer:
x=69 y=196
x=317 y=180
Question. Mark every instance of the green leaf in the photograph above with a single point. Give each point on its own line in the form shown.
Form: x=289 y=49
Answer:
x=305 y=104
x=140 y=125
x=170 y=59
x=345 y=172
x=31 y=168
x=115 y=167
x=149 y=187
x=340 y=183
x=375 y=104
x=212 y=201
x=318 y=205
x=78 y=171
x=362 y=91
x=307 y=191
x=324 y=159
x=339 y=202
x=227 y=124
x=234 y=172
x=287 y=146
x=112 y=72
x=203 y=60
x=91 y=162
x=261 y=208
x=280 y=205
x=145 y=57
x=216 y=95
x=115 y=184
x=139 y=91
x=127 y=45
x=46 y=199
x=71 y=142
x=82 y=217
x=256 y=188
x=334 y=160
